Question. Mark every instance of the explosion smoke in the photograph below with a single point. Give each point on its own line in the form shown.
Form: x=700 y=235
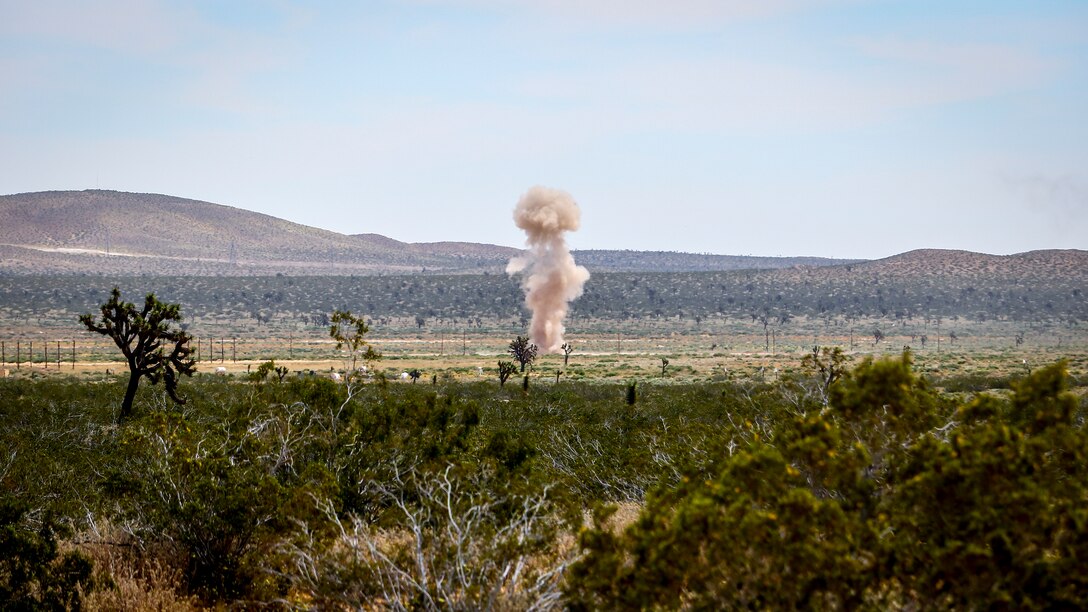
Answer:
x=551 y=277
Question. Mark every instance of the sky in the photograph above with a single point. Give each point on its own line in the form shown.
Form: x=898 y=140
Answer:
x=849 y=128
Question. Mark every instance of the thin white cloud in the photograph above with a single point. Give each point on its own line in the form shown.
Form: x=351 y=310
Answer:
x=131 y=26
x=650 y=13
x=724 y=93
x=962 y=70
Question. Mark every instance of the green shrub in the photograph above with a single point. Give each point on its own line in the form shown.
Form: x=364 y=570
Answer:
x=870 y=503
x=33 y=576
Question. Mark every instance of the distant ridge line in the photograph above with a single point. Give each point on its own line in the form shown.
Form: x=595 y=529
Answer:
x=105 y=232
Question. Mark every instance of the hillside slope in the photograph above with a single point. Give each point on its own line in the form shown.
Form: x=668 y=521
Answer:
x=112 y=232
x=1055 y=264
x=95 y=222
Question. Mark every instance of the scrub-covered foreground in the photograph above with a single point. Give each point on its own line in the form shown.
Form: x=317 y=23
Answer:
x=859 y=488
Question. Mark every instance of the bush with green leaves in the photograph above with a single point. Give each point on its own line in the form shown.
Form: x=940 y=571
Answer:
x=876 y=493
x=33 y=574
x=892 y=497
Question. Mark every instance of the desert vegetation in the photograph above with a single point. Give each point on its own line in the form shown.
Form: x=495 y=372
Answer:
x=830 y=488
x=717 y=440
x=844 y=300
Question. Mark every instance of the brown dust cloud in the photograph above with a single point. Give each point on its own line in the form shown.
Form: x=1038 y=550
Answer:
x=550 y=277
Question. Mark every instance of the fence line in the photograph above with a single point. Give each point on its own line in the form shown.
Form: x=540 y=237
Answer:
x=66 y=353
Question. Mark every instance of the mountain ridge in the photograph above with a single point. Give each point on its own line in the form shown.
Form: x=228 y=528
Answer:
x=115 y=232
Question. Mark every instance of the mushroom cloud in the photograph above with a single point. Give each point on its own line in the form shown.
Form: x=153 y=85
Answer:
x=551 y=279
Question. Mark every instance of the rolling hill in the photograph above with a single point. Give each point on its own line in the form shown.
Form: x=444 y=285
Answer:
x=112 y=232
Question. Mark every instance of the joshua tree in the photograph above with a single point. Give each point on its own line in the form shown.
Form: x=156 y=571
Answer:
x=568 y=348
x=829 y=362
x=414 y=375
x=664 y=364
x=523 y=351
x=351 y=330
x=263 y=370
x=877 y=336
x=150 y=345
x=506 y=369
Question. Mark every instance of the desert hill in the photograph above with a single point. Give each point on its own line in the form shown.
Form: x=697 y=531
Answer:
x=177 y=232
x=1069 y=264
x=112 y=232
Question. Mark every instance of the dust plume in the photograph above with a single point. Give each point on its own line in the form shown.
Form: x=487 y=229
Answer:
x=551 y=279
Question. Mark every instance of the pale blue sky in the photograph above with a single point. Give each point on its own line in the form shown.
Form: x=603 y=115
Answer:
x=779 y=127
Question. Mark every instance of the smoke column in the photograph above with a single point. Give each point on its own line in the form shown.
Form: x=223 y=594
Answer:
x=551 y=279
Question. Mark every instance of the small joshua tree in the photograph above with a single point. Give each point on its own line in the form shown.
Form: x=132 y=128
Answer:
x=664 y=364
x=151 y=346
x=506 y=369
x=568 y=348
x=264 y=370
x=524 y=352
x=351 y=330
x=829 y=362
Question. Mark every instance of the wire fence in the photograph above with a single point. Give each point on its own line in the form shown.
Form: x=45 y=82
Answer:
x=68 y=353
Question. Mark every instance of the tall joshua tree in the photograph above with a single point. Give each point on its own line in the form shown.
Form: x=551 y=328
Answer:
x=152 y=348
x=524 y=352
